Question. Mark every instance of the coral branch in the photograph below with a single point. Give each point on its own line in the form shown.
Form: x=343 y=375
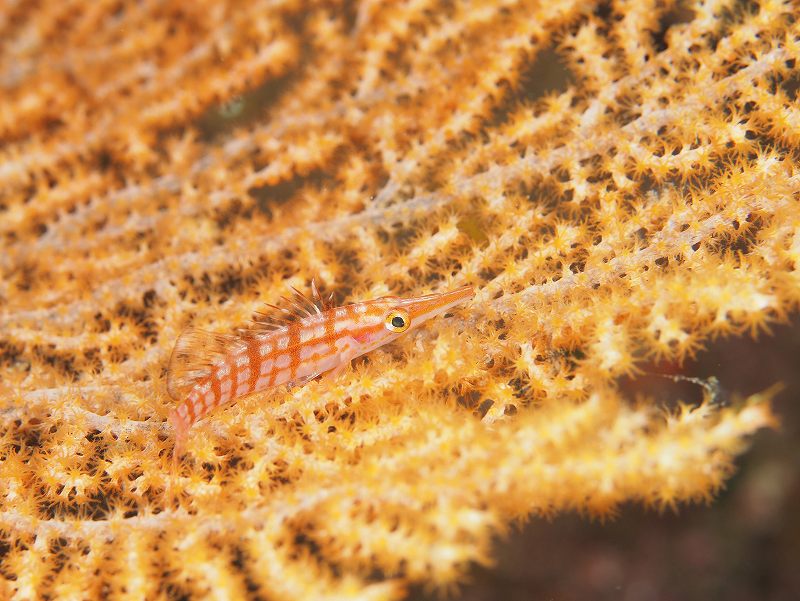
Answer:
x=166 y=164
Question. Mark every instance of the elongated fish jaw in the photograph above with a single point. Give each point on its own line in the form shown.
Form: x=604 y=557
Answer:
x=422 y=308
x=372 y=332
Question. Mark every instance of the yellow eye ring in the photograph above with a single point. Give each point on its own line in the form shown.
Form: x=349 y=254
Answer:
x=397 y=321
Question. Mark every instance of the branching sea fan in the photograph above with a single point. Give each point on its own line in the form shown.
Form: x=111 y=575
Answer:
x=175 y=164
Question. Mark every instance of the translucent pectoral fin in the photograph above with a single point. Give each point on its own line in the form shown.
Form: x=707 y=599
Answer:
x=301 y=381
x=336 y=371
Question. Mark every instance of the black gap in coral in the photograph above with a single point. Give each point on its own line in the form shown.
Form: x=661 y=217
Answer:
x=603 y=11
x=546 y=75
x=5 y=547
x=242 y=109
x=240 y=561
x=267 y=197
x=791 y=84
x=349 y=11
x=678 y=14
x=63 y=363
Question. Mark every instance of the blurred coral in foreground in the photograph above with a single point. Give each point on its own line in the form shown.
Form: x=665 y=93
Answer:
x=173 y=163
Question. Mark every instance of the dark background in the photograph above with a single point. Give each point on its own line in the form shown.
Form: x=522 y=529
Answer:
x=745 y=546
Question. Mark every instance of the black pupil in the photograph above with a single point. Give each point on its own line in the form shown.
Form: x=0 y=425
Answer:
x=398 y=322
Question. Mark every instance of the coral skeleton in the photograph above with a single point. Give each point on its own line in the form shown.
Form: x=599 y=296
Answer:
x=169 y=164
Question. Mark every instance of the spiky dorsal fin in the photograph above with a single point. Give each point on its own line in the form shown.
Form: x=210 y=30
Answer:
x=299 y=306
x=195 y=353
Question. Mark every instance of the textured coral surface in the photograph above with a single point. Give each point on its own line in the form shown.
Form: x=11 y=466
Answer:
x=172 y=163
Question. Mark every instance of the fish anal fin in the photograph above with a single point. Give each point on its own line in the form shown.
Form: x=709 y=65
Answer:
x=193 y=356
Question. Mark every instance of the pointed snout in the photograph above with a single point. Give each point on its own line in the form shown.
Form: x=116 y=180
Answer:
x=422 y=308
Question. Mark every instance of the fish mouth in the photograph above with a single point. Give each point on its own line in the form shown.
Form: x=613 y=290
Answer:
x=421 y=308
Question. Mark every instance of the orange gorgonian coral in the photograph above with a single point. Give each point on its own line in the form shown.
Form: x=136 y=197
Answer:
x=172 y=163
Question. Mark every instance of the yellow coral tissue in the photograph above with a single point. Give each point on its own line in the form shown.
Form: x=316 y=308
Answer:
x=174 y=164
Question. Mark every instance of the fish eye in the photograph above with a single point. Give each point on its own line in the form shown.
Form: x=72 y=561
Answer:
x=397 y=321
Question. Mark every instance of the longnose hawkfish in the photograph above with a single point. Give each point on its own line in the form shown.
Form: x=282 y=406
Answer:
x=291 y=346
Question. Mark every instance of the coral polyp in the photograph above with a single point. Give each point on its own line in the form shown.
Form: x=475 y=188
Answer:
x=170 y=164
